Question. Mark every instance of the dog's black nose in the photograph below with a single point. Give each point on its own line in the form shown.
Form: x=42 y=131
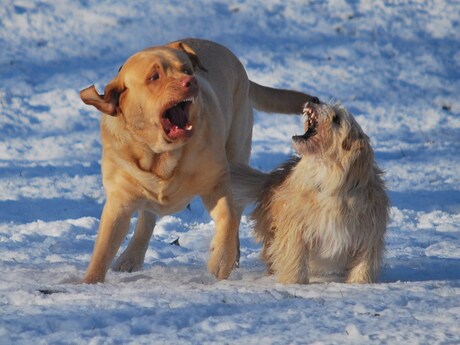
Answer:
x=315 y=100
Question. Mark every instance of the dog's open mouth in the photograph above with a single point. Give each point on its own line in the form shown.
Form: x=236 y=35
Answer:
x=175 y=120
x=311 y=123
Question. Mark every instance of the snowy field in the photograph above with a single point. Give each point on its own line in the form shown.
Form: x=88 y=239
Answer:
x=395 y=65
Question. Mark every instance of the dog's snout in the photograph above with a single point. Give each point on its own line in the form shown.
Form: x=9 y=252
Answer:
x=188 y=82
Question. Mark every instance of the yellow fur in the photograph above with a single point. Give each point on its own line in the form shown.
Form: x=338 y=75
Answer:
x=148 y=170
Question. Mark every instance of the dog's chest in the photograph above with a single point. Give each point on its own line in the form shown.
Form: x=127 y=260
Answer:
x=164 y=204
x=170 y=196
x=317 y=218
x=174 y=194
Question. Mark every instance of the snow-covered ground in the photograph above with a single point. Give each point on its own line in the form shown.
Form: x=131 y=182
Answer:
x=394 y=64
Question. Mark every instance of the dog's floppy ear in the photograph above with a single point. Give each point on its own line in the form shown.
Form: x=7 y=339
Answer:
x=190 y=53
x=108 y=103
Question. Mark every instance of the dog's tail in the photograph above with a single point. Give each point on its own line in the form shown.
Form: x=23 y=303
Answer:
x=247 y=184
x=281 y=101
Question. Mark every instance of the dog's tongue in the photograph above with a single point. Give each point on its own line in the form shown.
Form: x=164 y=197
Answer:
x=179 y=133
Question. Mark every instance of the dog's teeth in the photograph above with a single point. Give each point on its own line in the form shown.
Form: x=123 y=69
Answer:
x=188 y=127
x=191 y=99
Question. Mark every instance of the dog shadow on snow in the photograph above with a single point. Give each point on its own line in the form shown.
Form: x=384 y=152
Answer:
x=421 y=269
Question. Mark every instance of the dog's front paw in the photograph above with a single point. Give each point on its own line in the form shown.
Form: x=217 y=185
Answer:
x=128 y=263
x=359 y=276
x=222 y=261
x=93 y=278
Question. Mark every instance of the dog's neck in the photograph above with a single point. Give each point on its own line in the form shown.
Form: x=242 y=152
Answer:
x=153 y=170
x=327 y=177
x=162 y=164
x=318 y=175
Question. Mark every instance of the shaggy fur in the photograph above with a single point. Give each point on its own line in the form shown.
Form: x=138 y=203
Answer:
x=323 y=214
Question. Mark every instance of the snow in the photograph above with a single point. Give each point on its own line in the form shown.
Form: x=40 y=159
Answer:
x=395 y=65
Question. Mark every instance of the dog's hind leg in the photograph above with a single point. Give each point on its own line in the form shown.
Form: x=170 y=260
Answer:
x=365 y=265
x=239 y=212
x=132 y=258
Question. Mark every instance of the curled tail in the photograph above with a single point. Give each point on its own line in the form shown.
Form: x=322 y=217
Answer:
x=281 y=101
x=247 y=184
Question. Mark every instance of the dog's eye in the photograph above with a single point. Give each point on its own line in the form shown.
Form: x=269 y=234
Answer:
x=336 y=119
x=155 y=76
x=188 y=71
